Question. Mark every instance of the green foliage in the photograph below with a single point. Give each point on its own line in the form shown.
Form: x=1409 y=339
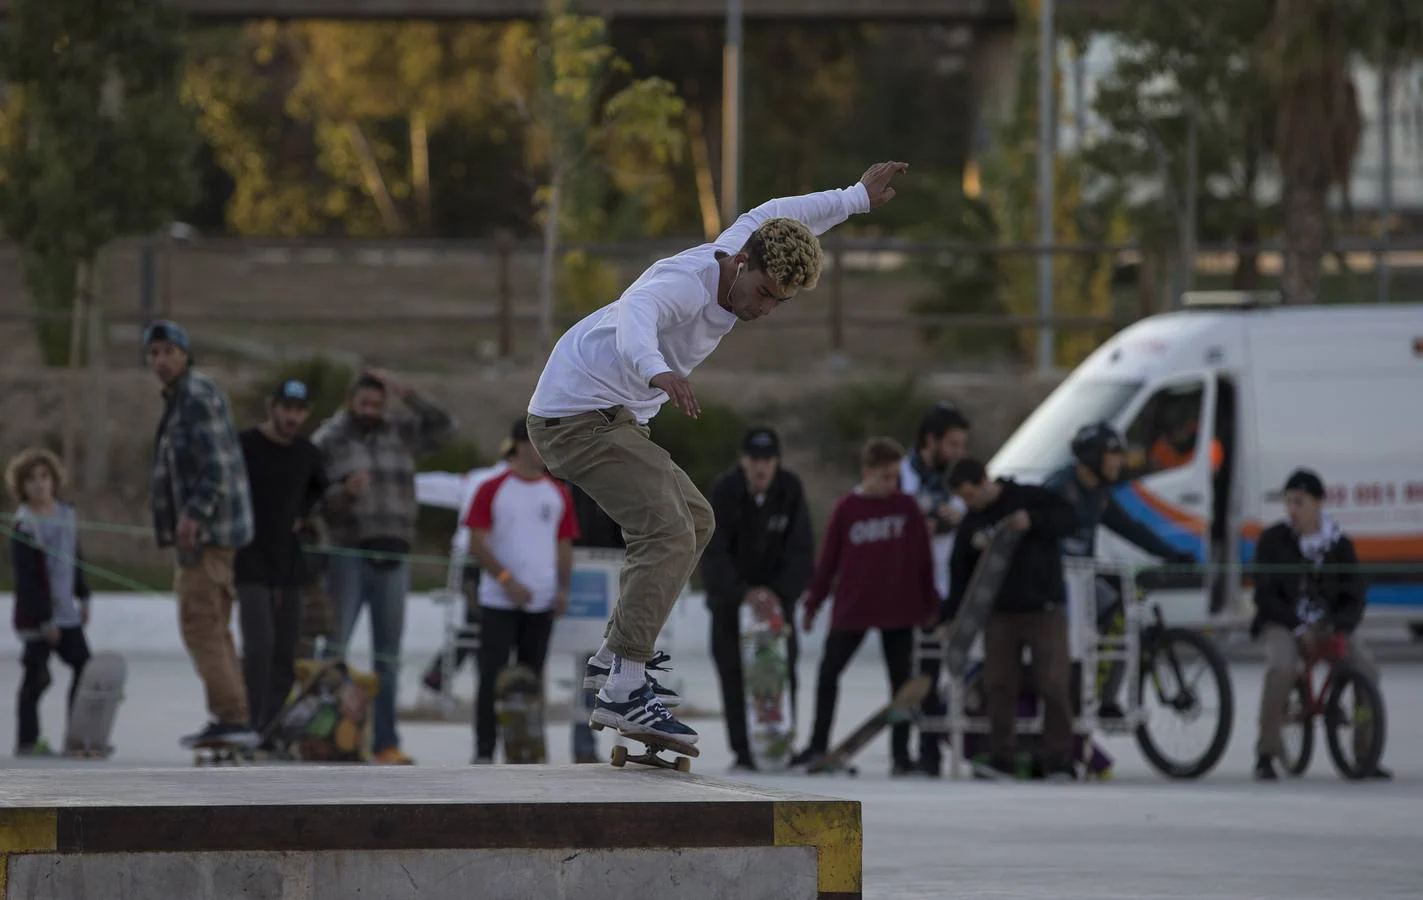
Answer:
x=872 y=409
x=585 y=283
x=327 y=380
x=94 y=142
x=703 y=447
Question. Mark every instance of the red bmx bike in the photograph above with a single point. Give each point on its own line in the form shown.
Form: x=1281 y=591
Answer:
x=1349 y=704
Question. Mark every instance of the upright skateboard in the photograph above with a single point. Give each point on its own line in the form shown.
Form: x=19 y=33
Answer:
x=765 y=666
x=519 y=699
x=653 y=757
x=900 y=709
x=997 y=547
x=325 y=721
x=96 y=703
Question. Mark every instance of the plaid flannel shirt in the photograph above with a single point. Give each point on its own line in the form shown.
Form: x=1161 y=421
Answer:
x=387 y=508
x=198 y=468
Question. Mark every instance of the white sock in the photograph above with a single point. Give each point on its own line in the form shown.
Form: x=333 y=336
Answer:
x=626 y=677
x=604 y=656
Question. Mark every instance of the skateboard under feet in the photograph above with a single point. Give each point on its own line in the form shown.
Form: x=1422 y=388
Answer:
x=220 y=754
x=653 y=757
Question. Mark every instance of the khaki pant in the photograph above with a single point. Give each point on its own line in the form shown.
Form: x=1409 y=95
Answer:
x=665 y=520
x=1045 y=635
x=205 y=596
x=1282 y=661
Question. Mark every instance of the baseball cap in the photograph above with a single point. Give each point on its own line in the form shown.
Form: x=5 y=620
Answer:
x=292 y=391
x=761 y=443
x=519 y=434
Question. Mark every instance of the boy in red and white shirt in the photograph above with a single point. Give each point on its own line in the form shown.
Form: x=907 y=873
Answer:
x=876 y=560
x=521 y=529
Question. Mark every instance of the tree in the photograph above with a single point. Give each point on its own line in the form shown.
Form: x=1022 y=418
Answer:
x=94 y=145
x=581 y=131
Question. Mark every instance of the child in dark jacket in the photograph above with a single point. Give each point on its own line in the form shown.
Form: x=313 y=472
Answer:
x=876 y=557
x=51 y=596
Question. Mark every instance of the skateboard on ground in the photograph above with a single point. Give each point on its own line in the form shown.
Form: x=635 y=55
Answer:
x=997 y=545
x=519 y=699
x=900 y=709
x=655 y=744
x=96 y=703
x=765 y=666
x=221 y=753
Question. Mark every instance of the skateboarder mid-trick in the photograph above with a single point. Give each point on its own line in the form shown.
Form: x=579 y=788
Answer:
x=610 y=374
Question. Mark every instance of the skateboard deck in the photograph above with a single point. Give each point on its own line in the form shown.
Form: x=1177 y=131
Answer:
x=519 y=700
x=96 y=704
x=326 y=719
x=900 y=709
x=653 y=757
x=220 y=753
x=997 y=554
x=765 y=666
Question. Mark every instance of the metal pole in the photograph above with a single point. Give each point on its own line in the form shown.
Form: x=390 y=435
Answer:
x=1046 y=64
x=731 y=116
x=1188 y=227
x=1079 y=100
x=1385 y=176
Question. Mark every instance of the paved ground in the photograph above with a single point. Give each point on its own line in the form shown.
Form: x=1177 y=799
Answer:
x=1136 y=837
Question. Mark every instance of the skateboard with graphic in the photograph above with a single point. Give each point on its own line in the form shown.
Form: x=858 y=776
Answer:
x=765 y=666
x=997 y=545
x=653 y=757
x=519 y=699
x=900 y=709
x=221 y=753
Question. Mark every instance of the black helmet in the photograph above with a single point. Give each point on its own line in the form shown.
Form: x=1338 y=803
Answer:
x=1092 y=442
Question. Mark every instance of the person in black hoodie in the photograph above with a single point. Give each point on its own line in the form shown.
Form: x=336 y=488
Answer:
x=1308 y=584
x=762 y=543
x=1031 y=609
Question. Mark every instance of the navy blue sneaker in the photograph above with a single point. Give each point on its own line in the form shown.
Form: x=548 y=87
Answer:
x=595 y=675
x=642 y=713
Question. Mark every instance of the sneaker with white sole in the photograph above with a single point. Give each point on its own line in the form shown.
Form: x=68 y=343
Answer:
x=595 y=675
x=642 y=713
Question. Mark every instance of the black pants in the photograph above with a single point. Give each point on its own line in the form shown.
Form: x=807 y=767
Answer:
x=726 y=653
x=270 y=619
x=74 y=650
x=502 y=632
x=458 y=650
x=897 y=645
x=930 y=753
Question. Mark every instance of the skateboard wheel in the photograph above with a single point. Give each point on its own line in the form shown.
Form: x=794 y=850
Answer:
x=620 y=757
x=684 y=764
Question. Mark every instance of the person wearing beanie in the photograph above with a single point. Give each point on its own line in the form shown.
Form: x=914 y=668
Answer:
x=202 y=507
x=1308 y=584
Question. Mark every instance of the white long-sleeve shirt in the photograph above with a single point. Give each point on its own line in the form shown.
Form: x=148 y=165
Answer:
x=666 y=321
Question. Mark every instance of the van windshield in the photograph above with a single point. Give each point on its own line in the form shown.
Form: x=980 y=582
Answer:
x=1042 y=444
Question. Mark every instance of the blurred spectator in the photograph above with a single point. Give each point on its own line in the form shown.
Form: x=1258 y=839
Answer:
x=286 y=482
x=201 y=504
x=51 y=595
x=370 y=508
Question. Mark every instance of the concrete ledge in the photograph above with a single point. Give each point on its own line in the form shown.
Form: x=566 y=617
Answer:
x=312 y=833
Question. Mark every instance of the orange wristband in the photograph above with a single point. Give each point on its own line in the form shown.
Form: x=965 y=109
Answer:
x=504 y=577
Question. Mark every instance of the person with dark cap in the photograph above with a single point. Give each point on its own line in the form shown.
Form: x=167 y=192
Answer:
x=370 y=508
x=286 y=481
x=201 y=505
x=1098 y=456
x=941 y=442
x=762 y=546
x=1307 y=585
x=521 y=529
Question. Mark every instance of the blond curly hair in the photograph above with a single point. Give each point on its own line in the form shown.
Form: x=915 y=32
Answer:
x=25 y=462
x=787 y=251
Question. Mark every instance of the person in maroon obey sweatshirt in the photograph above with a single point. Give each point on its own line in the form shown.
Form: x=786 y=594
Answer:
x=876 y=556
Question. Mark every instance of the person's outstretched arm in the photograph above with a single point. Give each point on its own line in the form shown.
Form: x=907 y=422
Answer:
x=820 y=211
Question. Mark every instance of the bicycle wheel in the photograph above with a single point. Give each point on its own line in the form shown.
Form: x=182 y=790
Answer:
x=1298 y=729
x=1175 y=661
x=1364 y=720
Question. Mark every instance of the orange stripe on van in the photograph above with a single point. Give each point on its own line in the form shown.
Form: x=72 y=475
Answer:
x=1170 y=513
x=1371 y=548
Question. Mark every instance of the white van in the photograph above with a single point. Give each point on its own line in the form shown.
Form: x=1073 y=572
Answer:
x=1261 y=389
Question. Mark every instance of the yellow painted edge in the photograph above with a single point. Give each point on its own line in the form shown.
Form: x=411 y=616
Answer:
x=28 y=830
x=833 y=828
